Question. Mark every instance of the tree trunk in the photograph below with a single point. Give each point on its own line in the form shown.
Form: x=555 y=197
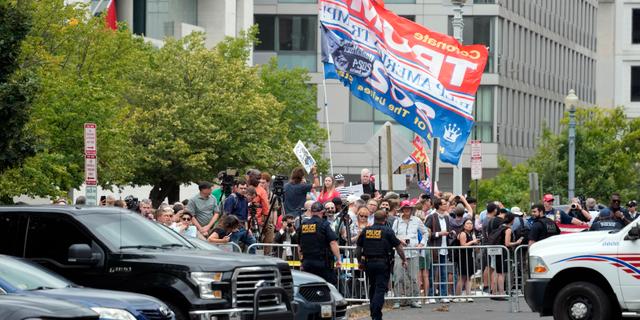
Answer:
x=164 y=189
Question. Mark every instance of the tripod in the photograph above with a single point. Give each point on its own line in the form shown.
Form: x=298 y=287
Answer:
x=277 y=202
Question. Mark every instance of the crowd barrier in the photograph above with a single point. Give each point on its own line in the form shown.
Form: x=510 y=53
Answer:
x=228 y=247
x=461 y=273
x=520 y=273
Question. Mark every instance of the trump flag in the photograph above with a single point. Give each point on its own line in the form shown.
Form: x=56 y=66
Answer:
x=424 y=80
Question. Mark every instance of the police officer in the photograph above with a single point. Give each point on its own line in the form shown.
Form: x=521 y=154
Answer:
x=541 y=227
x=606 y=221
x=376 y=244
x=316 y=241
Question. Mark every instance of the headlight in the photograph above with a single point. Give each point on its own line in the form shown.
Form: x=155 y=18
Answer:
x=537 y=265
x=204 y=280
x=337 y=297
x=113 y=314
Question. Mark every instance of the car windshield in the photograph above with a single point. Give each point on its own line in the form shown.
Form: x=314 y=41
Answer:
x=25 y=276
x=122 y=231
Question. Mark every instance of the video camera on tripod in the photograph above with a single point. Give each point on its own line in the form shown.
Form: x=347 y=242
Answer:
x=227 y=179
x=277 y=185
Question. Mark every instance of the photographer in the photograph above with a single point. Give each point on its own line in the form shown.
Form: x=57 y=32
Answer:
x=261 y=201
x=578 y=212
x=295 y=192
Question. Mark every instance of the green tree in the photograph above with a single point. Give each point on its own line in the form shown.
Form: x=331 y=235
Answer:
x=290 y=87
x=85 y=71
x=198 y=112
x=607 y=161
x=16 y=88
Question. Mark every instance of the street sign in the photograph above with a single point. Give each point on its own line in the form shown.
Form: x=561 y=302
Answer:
x=90 y=139
x=90 y=169
x=476 y=160
x=91 y=193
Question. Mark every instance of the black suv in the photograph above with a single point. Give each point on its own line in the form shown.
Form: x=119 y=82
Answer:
x=112 y=248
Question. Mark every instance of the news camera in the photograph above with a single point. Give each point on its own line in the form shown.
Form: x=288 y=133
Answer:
x=277 y=184
x=227 y=180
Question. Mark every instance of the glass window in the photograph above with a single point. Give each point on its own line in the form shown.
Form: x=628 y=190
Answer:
x=12 y=229
x=139 y=16
x=483 y=114
x=267 y=32
x=297 y=33
x=409 y=17
x=635 y=83
x=130 y=231
x=44 y=228
x=635 y=32
x=26 y=276
x=484 y=1
x=293 y=38
x=164 y=15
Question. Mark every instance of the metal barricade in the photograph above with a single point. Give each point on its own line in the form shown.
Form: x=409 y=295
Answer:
x=286 y=252
x=228 y=247
x=462 y=273
x=520 y=273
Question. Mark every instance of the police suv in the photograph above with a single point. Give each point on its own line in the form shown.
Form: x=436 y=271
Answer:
x=586 y=275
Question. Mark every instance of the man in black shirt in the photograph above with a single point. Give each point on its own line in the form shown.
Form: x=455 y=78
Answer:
x=368 y=187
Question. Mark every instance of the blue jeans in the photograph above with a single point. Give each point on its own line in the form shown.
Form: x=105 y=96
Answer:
x=242 y=235
x=443 y=267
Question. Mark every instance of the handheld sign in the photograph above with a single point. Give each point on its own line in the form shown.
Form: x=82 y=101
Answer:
x=304 y=156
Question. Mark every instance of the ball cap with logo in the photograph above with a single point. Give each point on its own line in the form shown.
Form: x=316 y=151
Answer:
x=548 y=198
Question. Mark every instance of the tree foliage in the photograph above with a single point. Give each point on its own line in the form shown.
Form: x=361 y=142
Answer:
x=200 y=111
x=17 y=88
x=607 y=161
x=84 y=71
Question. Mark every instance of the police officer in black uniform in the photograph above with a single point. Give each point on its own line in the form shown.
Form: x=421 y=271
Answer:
x=318 y=245
x=542 y=227
x=376 y=244
x=606 y=221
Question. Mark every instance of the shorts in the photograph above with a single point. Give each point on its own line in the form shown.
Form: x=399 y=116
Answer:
x=424 y=263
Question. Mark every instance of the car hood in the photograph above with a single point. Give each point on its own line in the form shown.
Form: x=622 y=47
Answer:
x=199 y=260
x=21 y=307
x=302 y=278
x=101 y=298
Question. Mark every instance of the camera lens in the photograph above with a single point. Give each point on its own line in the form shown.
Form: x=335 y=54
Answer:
x=290 y=225
x=573 y=206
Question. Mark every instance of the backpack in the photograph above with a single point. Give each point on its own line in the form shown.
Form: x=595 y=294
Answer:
x=496 y=235
x=523 y=231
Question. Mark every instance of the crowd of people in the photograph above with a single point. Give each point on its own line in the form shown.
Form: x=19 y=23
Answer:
x=440 y=234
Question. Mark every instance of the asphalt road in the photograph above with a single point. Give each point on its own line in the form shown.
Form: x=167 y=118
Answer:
x=480 y=309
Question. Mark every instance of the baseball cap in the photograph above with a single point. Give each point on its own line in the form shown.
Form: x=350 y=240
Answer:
x=516 y=211
x=352 y=198
x=548 y=197
x=604 y=213
x=406 y=204
x=317 y=207
x=338 y=177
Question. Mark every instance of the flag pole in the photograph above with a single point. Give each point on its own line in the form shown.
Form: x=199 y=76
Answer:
x=326 y=119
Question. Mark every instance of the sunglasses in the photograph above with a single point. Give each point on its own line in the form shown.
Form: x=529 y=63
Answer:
x=363 y=216
x=186 y=219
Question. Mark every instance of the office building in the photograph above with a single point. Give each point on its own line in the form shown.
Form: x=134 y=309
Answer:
x=618 y=70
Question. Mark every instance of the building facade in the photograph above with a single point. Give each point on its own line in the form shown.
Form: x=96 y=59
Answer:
x=539 y=50
x=158 y=19
x=619 y=55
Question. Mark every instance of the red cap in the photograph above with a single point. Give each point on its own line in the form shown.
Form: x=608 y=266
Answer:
x=406 y=204
x=548 y=197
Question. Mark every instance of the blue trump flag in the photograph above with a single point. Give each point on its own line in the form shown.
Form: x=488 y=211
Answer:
x=423 y=80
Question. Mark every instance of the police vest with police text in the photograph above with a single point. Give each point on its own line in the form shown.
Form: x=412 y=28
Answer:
x=550 y=227
x=375 y=244
x=312 y=239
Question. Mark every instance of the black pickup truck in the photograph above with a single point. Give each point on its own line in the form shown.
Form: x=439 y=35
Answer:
x=112 y=248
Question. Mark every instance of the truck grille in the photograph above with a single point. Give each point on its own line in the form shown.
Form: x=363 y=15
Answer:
x=316 y=293
x=341 y=312
x=247 y=280
x=286 y=280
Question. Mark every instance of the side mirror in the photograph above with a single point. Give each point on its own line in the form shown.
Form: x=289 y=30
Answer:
x=634 y=233
x=80 y=253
